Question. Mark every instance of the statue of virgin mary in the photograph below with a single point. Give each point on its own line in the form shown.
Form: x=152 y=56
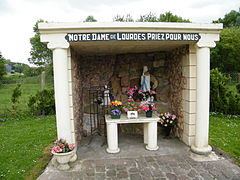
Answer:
x=145 y=79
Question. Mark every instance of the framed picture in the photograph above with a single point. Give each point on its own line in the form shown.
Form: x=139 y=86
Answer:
x=132 y=114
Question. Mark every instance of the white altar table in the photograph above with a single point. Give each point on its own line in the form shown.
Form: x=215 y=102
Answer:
x=150 y=131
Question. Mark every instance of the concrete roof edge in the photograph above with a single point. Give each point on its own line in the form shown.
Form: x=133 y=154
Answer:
x=54 y=26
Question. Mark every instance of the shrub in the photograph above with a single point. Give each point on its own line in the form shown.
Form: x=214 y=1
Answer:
x=222 y=98
x=218 y=91
x=238 y=87
x=42 y=103
x=17 y=92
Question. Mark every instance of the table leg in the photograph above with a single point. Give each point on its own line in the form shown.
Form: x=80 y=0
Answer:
x=112 y=138
x=145 y=131
x=152 y=136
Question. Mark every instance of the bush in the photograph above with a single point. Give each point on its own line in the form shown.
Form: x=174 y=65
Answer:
x=42 y=103
x=222 y=98
x=17 y=92
x=238 y=87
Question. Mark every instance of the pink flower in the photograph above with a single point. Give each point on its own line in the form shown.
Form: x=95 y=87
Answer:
x=154 y=108
x=62 y=140
x=145 y=108
x=125 y=109
x=62 y=146
x=71 y=146
x=56 y=149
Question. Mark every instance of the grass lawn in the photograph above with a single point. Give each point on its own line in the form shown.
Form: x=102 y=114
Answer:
x=22 y=144
x=24 y=139
x=225 y=134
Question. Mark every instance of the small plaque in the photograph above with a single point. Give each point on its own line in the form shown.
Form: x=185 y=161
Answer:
x=132 y=114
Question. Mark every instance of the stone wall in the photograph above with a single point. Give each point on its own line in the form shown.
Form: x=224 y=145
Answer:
x=77 y=95
x=120 y=72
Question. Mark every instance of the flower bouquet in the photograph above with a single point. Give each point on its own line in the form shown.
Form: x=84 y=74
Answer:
x=167 y=121
x=147 y=95
x=135 y=94
x=132 y=108
x=61 y=146
x=148 y=107
x=116 y=107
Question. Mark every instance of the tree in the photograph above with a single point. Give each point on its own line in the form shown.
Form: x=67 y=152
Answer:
x=2 y=68
x=40 y=54
x=169 y=17
x=119 y=18
x=90 y=19
x=226 y=55
x=166 y=17
x=148 y=18
x=230 y=19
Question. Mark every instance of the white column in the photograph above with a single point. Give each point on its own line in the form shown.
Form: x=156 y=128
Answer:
x=203 y=84
x=145 y=133
x=60 y=64
x=112 y=138
x=152 y=136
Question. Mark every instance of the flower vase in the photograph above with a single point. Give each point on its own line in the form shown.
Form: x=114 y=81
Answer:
x=167 y=131
x=148 y=113
x=115 y=116
x=63 y=159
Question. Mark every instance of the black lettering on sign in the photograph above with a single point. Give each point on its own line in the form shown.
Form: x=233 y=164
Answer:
x=132 y=36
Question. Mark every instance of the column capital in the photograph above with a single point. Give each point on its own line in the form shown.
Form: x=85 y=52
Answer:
x=207 y=40
x=55 y=41
x=58 y=44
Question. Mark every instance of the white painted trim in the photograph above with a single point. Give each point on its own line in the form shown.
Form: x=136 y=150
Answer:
x=119 y=25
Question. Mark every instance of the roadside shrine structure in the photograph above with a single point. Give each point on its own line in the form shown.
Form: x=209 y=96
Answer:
x=113 y=54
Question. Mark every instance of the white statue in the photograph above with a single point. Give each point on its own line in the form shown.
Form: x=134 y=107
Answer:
x=106 y=99
x=145 y=79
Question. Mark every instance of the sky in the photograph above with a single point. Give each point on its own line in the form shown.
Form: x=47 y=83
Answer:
x=17 y=17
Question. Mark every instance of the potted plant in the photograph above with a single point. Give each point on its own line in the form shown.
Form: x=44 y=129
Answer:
x=132 y=109
x=167 y=121
x=148 y=107
x=64 y=153
x=116 y=107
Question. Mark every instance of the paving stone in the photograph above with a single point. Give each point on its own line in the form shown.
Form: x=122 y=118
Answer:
x=159 y=178
x=149 y=159
x=166 y=169
x=121 y=167
x=88 y=178
x=122 y=174
x=206 y=176
x=133 y=170
x=179 y=171
x=185 y=166
x=236 y=177
x=157 y=173
x=183 y=177
x=171 y=176
x=100 y=168
x=228 y=173
x=110 y=166
x=146 y=172
x=153 y=165
x=135 y=177
x=192 y=173
x=100 y=176
x=111 y=173
x=90 y=172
